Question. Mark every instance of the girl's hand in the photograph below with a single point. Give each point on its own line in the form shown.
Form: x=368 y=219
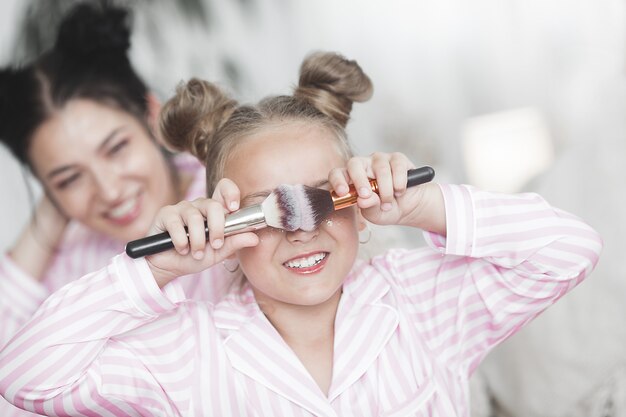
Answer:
x=420 y=206
x=192 y=253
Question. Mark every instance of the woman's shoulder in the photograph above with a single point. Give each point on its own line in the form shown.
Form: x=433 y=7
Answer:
x=186 y=162
x=190 y=167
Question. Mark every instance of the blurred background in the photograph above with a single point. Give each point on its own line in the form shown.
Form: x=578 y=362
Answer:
x=506 y=95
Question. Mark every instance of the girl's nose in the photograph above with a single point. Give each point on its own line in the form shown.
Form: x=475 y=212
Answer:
x=300 y=236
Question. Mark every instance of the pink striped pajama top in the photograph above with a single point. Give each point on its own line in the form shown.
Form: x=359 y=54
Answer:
x=82 y=251
x=410 y=328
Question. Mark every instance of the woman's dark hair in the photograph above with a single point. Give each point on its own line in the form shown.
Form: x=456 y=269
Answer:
x=88 y=61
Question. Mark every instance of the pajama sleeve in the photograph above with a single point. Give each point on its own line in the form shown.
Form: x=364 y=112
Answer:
x=504 y=259
x=60 y=362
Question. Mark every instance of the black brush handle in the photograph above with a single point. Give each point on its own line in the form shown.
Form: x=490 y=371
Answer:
x=246 y=219
x=419 y=176
x=153 y=244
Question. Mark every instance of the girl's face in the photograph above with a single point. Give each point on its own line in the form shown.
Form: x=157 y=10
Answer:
x=302 y=268
x=102 y=168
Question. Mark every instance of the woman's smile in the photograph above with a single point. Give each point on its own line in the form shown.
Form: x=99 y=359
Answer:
x=125 y=212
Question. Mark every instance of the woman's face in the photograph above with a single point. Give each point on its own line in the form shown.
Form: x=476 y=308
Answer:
x=102 y=168
x=301 y=268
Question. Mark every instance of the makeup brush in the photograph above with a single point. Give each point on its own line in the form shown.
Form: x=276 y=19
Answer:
x=281 y=209
x=318 y=204
x=288 y=207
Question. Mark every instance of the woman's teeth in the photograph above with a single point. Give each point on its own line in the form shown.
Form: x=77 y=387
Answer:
x=123 y=209
x=307 y=262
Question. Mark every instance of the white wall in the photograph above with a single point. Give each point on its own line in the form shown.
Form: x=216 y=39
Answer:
x=14 y=205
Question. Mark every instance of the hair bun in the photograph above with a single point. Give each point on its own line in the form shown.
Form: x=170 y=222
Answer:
x=188 y=121
x=17 y=86
x=90 y=30
x=332 y=83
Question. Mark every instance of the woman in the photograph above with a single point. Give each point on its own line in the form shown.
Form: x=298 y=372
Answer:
x=82 y=121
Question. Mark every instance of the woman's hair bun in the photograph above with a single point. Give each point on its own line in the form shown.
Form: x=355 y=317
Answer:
x=92 y=29
x=18 y=111
x=332 y=83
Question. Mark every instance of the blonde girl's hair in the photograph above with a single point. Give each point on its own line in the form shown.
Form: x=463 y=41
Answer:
x=203 y=120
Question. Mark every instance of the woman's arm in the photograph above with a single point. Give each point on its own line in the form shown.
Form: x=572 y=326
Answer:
x=23 y=268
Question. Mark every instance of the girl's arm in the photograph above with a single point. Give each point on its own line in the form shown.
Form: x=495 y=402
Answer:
x=20 y=296
x=72 y=344
x=501 y=259
x=63 y=361
x=504 y=259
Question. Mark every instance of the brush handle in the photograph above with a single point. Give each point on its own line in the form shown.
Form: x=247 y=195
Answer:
x=419 y=176
x=247 y=219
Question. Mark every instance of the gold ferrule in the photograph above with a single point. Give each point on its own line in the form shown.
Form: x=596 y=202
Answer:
x=350 y=198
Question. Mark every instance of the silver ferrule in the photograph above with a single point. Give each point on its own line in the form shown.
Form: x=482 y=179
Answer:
x=247 y=219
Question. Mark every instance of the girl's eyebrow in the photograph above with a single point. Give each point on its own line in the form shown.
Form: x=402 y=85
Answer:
x=249 y=198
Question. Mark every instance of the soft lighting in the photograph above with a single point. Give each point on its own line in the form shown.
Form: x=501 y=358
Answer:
x=503 y=151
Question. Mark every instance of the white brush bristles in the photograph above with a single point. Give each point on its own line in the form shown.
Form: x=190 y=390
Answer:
x=281 y=209
x=293 y=207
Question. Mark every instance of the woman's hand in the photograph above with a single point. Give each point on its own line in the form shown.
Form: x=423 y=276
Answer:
x=39 y=240
x=185 y=222
x=420 y=206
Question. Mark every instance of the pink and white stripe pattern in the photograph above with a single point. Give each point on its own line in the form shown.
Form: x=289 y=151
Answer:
x=84 y=251
x=410 y=328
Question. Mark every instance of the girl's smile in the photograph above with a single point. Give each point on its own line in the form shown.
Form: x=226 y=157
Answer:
x=307 y=264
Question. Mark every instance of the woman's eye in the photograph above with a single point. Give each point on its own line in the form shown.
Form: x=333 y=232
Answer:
x=118 y=147
x=68 y=181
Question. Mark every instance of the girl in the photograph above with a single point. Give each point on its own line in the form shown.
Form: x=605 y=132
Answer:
x=311 y=330
x=80 y=119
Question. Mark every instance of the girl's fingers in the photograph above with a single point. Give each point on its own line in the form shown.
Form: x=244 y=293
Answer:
x=193 y=216
x=227 y=193
x=388 y=169
x=399 y=164
x=169 y=220
x=215 y=222
x=211 y=213
x=339 y=181
x=186 y=224
x=383 y=174
x=360 y=172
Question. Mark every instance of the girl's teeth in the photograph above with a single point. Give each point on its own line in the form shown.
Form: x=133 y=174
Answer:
x=123 y=209
x=306 y=262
